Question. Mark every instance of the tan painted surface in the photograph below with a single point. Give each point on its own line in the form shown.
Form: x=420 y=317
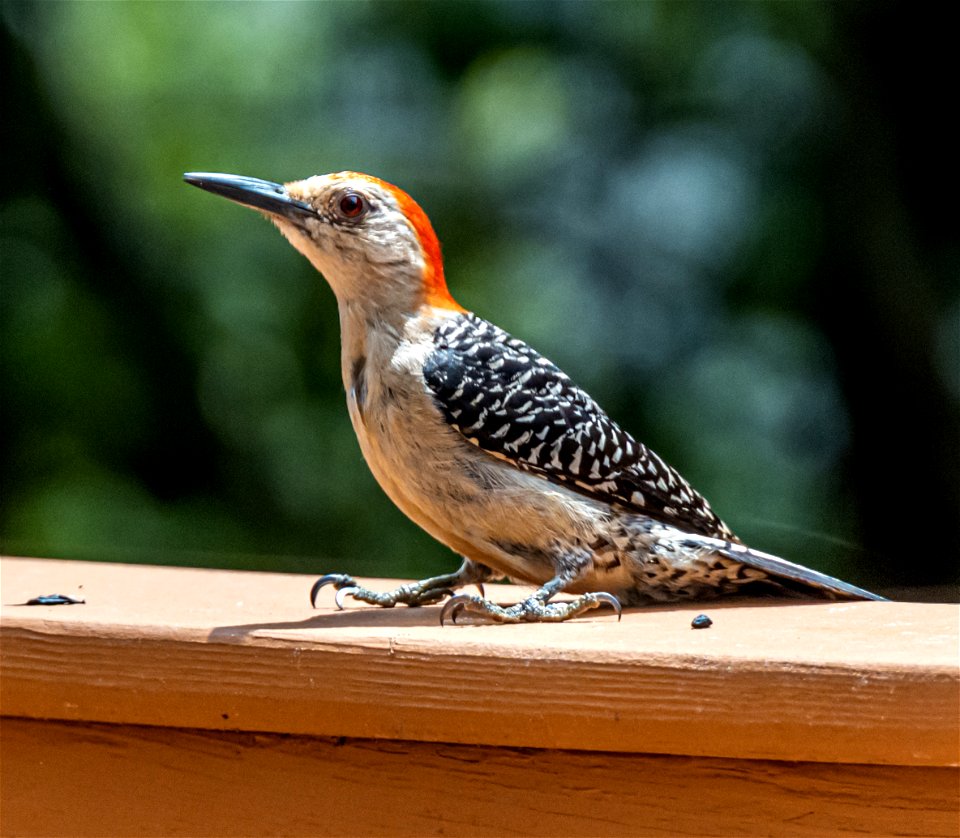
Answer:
x=740 y=714
x=116 y=780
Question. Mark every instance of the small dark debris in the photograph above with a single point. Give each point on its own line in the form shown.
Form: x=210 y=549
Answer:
x=701 y=621
x=55 y=599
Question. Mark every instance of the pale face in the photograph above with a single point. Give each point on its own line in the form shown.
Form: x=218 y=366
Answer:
x=357 y=235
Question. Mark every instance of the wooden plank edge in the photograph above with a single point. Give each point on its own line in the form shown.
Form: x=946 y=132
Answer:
x=96 y=779
x=411 y=690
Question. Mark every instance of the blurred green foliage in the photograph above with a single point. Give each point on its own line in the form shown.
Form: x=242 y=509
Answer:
x=720 y=218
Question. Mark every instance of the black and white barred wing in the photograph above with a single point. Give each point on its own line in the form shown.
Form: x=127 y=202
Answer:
x=505 y=398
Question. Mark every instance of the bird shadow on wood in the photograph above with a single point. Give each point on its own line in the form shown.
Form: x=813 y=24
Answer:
x=367 y=617
x=373 y=617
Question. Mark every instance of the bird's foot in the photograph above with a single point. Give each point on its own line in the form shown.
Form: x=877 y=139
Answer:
x=413 y=593
x=424 y=592
x=535 y=609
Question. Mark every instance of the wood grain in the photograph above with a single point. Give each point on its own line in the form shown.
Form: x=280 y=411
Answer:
x=871 y=683
x=96 y=780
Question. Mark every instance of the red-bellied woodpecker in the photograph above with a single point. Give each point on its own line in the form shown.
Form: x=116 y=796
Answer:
x=486 y=444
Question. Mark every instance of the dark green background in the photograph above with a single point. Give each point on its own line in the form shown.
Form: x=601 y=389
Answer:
x=734 y=223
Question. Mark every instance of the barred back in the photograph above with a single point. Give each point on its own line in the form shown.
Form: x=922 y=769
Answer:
x=513 y=403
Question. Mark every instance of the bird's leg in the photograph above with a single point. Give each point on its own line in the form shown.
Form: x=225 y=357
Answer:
x=424 y=592
x=535 y=609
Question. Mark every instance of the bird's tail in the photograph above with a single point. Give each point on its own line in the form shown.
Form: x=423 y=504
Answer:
x=794 y=576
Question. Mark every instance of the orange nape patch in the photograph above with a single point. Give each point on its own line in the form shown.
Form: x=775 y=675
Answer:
x=434 y=282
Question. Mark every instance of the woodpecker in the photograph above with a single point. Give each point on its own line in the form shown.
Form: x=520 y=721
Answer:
x=489 y=446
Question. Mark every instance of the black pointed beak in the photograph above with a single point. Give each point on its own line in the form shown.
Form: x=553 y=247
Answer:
x=252 y=192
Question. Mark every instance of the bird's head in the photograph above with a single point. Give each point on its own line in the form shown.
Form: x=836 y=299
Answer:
x=370 y=240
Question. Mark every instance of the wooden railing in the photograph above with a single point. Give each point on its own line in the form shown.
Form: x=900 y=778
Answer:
x=199 y=702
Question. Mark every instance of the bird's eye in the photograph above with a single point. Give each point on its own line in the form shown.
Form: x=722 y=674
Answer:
x=352 y=205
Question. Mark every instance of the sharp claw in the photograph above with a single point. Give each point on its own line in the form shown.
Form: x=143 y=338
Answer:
x=452 y=607
x=480 y=588
x=323 y=581
x=344 y=592
x=612 y=601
